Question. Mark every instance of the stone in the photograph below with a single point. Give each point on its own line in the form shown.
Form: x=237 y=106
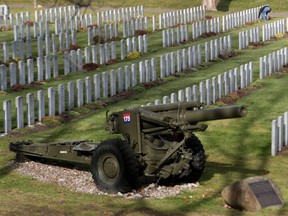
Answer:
x=70 y=90
x=30 y=109
x=51 y=101
x=7 y=116
x=79 y=85
x=19 y=101
x=41 y=105
x=253 y=194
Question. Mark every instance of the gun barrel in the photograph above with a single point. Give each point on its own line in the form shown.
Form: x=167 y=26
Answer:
x=215 y=113
x=173 y=106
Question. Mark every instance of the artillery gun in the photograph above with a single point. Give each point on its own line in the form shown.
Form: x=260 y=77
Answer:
x=158 y=142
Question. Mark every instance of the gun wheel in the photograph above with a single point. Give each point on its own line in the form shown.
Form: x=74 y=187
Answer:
x=114 y=166
x=197 y=164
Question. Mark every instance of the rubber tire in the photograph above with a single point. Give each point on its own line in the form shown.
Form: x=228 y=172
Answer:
x=124 y=162
x=197 y=164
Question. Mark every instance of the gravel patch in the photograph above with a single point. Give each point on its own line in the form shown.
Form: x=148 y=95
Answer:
x=82 y=181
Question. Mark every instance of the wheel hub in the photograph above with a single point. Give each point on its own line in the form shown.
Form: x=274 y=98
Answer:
x=110 y=167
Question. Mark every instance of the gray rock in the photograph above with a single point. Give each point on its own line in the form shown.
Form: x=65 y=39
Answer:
x=253 y=194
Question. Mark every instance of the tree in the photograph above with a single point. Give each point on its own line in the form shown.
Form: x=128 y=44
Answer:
x=210 y=4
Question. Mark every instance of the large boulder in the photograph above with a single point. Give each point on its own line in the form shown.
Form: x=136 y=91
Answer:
x=253 y=194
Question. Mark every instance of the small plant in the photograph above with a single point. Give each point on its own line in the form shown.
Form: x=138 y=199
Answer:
x=93 y=25
x=113 y=38
x=74 y=47
x=29 y=23
x=133 y=55
x=19 y=87
x=37 y=83
x=279 y=36
x=140 y=32
x=110 y=22
x=225 y=54
x=208 y=17
x=3 y=93
x=73 y=114
x=51 y=120
x=111 y=61
x=17 y=59
x=90 y=66
x=208 y=34
x=98 y=39
x=230 y=98
x=249 y=23
x=4 y=28
x=137 y=88
x=95 y=105
x=256 y=44
x=1 y=63
x=82 y=29
x=81 y=110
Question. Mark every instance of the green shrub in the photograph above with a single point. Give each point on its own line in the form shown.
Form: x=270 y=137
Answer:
x=81 y=110
x=51 y=120
x=73 y=114
x=133 y=55
x=137 y=88
x=95 y=105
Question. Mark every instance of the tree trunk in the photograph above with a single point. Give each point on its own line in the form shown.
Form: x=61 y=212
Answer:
x=210 y=4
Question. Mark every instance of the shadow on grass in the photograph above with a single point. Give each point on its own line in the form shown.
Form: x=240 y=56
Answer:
x=5 y=170
x=223 y=5
x=145 y=210
x=213 y=168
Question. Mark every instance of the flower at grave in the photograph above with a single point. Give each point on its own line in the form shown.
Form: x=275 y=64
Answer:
x=134 y=54
x=208 y=17
x=90 y=66
x=3 y=93
x=37 y=83
x=139 y=16
x=17 y=59
x=279 y=35
x=74 y=47
x=18 y=87
x=256 y=44
x=29 y=23
x=82 y=29
x=111 y=61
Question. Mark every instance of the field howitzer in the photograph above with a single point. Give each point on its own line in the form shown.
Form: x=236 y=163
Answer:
x=158 y=142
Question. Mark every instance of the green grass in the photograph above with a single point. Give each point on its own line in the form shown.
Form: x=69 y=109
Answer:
x=237 y=148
